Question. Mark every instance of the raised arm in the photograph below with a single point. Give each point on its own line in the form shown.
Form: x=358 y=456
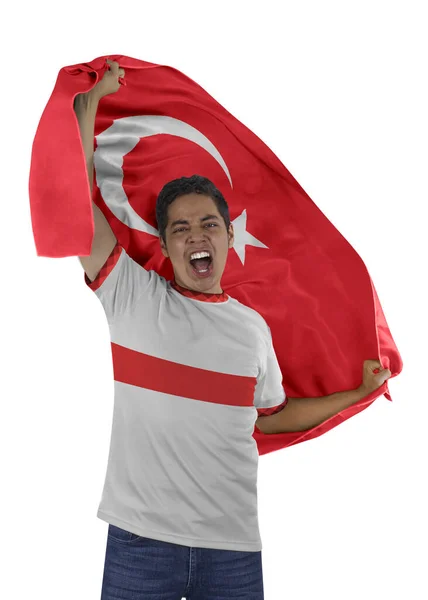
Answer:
x=85 y=107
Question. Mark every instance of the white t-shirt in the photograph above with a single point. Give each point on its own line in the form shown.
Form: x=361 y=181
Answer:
x=191 y=374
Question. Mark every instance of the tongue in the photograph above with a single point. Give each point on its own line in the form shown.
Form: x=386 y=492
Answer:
x=201 y=264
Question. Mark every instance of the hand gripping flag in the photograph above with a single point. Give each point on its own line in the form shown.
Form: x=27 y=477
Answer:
x=289 y=262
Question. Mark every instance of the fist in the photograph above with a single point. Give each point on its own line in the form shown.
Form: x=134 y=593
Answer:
x=371 y=380
x=109 y=84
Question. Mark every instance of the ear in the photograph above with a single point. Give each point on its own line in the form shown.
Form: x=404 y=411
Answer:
x=231 y=235
x=163 y=248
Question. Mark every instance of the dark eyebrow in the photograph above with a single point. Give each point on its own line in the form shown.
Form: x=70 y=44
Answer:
x=184 y=222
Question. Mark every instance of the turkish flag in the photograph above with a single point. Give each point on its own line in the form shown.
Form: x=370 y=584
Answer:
x=289 y=262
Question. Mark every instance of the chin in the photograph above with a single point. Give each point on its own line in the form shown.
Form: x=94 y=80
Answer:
x=189 y=280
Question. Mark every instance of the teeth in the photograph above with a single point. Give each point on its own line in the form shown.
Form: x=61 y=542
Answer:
x=199 y=255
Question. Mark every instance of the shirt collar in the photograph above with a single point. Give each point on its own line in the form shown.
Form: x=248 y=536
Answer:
x=202 y=296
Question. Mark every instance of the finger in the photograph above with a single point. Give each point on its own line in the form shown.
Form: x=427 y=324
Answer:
x=382 y=376
x=372 y=364
x=121 y=72
x=114 y=67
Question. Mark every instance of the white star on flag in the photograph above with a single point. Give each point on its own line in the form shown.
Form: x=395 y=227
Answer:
x=243 y=237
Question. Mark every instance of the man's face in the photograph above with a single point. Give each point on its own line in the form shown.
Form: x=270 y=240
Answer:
x=195 y=225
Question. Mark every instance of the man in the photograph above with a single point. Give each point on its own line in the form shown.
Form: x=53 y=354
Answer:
x=193 y=369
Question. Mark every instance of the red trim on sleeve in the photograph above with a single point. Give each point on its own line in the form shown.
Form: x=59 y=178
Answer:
x=265 y=412
x=106 y=269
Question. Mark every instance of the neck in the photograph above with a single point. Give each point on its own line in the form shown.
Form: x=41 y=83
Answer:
x=216 y=289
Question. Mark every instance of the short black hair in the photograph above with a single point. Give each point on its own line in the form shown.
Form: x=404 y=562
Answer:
x=188 y=185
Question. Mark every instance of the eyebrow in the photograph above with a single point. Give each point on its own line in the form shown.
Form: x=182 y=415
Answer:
x=184 y=222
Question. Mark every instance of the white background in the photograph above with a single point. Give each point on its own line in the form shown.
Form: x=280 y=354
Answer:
x=338 y=91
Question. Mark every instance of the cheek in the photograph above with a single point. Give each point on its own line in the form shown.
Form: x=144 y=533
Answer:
x=176 y=253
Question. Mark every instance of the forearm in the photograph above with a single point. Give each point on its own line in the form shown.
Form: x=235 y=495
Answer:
x=301 y=414
x=85 y=108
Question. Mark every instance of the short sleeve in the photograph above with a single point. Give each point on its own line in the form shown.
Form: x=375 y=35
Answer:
x=120 y=283
x=270 y=396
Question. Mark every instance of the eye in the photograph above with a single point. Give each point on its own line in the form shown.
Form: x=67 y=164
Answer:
x=183 y=228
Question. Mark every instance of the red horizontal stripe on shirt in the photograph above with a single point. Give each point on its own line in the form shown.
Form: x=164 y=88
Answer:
x=168 y=377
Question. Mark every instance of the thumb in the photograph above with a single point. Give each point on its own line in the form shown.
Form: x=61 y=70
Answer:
x=383 y=376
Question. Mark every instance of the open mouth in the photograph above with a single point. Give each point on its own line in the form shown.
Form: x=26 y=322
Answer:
x=202 y=267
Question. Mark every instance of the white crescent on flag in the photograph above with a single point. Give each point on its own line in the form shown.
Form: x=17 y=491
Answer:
x=122 y=137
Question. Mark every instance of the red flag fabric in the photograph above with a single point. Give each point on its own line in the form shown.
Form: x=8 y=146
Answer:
x=289 y=262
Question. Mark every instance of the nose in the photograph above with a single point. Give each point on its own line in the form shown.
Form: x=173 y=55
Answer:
x=197 y=233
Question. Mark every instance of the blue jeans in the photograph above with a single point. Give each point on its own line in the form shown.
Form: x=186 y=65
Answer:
x=139 y=568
